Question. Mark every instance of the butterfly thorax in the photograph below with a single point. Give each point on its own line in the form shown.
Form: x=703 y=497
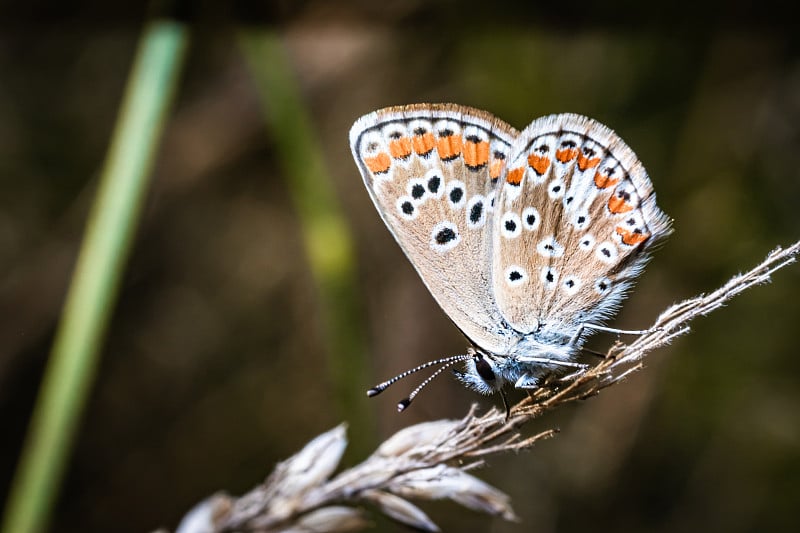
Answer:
x=533 y=358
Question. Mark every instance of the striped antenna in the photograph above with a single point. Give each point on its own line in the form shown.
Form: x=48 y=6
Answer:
x=447 y=361
x=450 y=361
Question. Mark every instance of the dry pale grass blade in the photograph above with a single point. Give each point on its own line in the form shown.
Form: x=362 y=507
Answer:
x=401 y=510
x=431 y=460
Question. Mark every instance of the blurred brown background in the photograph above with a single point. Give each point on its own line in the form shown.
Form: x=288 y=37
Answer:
x=216 y=362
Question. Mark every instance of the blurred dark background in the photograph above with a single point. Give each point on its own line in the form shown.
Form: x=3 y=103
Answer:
x=217 y=361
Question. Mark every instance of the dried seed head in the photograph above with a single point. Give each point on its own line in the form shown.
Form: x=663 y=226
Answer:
x=401 y=510
x=416 y=437
x=333 y=519
x=314 y=463
x=445 y=482
x=204 y=517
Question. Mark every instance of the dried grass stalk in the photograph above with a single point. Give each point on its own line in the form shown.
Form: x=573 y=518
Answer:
x=432 y=460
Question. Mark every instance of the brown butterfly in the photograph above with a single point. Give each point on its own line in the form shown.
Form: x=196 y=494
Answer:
x=527 y=240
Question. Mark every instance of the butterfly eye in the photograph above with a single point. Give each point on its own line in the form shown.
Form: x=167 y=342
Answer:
x=484 y=369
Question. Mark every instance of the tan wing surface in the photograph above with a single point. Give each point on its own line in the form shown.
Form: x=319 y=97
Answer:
x=431 y=171
x=574 y=219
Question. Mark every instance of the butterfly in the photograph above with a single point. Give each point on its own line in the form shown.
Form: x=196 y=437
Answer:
x=527 y=240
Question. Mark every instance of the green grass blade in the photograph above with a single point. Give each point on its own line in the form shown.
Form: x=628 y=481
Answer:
x=328 y=241
x=92 y=293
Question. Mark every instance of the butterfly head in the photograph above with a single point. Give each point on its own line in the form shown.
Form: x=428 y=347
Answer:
x=483 y=373
x=523 y=368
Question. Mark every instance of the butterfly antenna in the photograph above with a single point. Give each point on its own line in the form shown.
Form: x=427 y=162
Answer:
x=377 y=389
x=450 y=361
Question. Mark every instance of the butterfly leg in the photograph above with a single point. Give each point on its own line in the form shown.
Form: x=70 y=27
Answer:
x=556 y=362
x=528 y=381
x=505 y=404
x=598 y=327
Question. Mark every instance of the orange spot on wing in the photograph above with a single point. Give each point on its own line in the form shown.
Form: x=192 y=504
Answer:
x=496 y=168
x=584 y=162
x=604 y=182
x=568 y=154
x=476 y=154
x=514 y=176
x=630 y=237
x=423 y=144
x=378 y=164
x=400 y=148
x=449 y=147
x=539 y=163
x=618 y=205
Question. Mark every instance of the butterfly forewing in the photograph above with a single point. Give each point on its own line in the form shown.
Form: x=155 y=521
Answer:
x=431 y=171
x=574 y=216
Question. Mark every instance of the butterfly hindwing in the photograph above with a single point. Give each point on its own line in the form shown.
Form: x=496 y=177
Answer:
x=574 y=219
x=431 y=171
